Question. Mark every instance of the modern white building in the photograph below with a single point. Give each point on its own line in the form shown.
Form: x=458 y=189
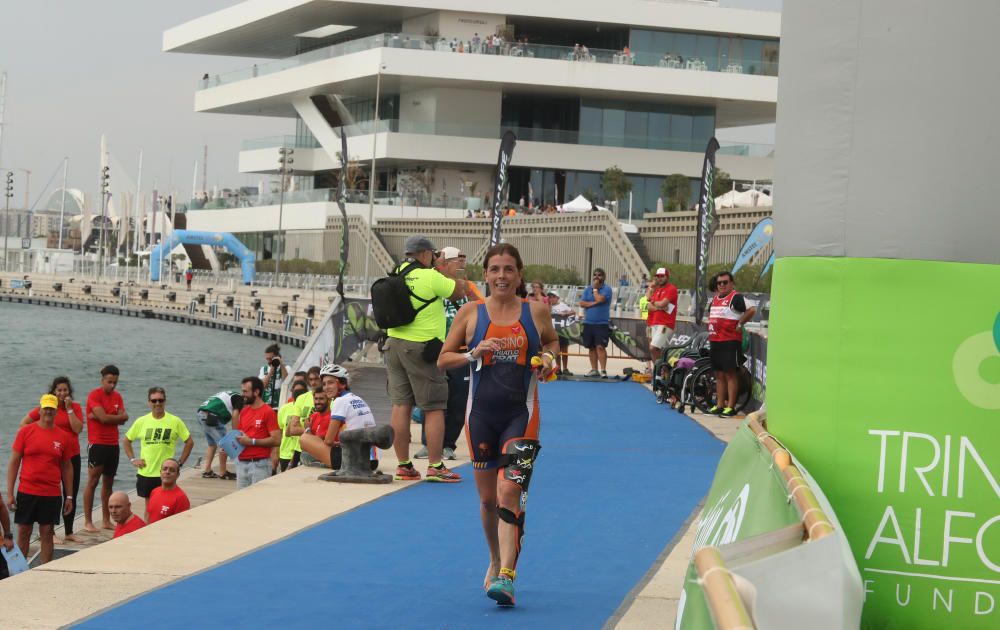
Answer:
x=425 y=89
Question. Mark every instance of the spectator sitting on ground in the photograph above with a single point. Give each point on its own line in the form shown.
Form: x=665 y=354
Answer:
x=121 y=513
x=311 y=437
x=168 y=499
x=348 y=411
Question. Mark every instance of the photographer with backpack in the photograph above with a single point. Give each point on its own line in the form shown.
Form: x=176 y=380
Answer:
x=409 y=305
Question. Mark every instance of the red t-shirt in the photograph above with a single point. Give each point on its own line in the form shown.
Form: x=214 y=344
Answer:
x=112 y=404
x=258 y=424
x=662 y=318
x=42 y=453
x=319 y=422
x=130 y=526
x=164 y=503
x=62 y=421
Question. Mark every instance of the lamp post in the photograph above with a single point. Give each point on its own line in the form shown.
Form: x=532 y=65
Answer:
x=105 y=183
x=284 y=167
x=6 y=219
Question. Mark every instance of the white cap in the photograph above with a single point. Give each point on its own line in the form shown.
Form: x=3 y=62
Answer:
x=662 y=271
x=448 y=253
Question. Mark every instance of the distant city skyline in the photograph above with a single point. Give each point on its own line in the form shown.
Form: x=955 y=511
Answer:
x=78 y=70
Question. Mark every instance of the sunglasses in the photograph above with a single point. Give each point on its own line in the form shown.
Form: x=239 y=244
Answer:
x=722 y=283
x=157 y=401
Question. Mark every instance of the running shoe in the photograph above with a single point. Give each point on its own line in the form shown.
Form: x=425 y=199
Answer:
x=407 y=473
x=421 y=454
x=440 y=474
x=604 y=374
x=501 y=590
x=449 y=454
x=714 y=410
x=728 y=412
x=593 y=374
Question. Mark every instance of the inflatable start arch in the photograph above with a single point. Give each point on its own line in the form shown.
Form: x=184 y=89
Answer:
x=186 y=237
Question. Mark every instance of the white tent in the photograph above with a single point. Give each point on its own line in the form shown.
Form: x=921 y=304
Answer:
x=580 y=204
x=745 y=199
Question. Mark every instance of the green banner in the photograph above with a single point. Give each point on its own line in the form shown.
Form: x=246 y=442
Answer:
x=747 y=498
x=884 y=380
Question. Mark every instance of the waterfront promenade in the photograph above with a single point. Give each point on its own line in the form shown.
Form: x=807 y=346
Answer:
x=619 y=480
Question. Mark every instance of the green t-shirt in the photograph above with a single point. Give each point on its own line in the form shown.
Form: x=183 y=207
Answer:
x=430 y=322
x=157 y=440
x=289 y=444
x=644 y=307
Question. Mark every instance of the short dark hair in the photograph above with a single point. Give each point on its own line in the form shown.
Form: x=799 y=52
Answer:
x=156 y=389
x=313 y=371
x=273 y=349
x=110 y=369
x=256 y=385
x=600 y=271
x=301 y=373
x=320 y=390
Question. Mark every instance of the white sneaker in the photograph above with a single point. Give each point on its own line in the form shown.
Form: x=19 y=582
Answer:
x=593 y=374
x=421 y=454
x=449 y=453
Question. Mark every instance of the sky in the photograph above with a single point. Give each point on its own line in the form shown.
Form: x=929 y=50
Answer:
x=79 y=69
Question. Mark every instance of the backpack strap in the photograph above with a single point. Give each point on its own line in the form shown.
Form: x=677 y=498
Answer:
x=402 y=271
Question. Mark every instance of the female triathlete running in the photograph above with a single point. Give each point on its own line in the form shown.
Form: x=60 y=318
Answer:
x=504 y=333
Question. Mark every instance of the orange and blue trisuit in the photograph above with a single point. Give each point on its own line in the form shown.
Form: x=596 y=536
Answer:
x=502 y=410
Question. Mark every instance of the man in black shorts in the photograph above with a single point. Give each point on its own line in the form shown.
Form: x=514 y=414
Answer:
x=105 y=413
x=726 y=318
x=596 y=300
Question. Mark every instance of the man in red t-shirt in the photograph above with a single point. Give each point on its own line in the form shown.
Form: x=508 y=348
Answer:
x=662 y=318
x=259 y=425
x=105 y=413
x=121 y=513
x=41 y=453
x=167 y=499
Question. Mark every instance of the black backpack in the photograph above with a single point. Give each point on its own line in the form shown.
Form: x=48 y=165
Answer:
x=391 y=303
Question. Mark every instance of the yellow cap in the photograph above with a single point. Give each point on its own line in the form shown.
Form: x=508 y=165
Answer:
x=49 y=402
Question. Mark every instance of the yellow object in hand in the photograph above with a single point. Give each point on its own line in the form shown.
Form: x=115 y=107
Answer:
x=537 y=363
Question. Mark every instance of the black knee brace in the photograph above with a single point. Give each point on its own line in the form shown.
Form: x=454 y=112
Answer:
x=518 y=462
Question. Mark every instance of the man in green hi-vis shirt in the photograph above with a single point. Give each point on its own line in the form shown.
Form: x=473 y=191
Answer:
x=884 y=348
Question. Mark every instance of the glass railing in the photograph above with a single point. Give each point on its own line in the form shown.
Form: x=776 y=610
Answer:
x=382 y=198
x=534 y=134
x=270 y=142
x=506 y=49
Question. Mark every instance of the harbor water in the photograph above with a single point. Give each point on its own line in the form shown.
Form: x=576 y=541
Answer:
x=190 y=362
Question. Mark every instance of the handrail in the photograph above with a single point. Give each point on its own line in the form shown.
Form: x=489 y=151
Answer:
x=814 y=520
x=724 y=601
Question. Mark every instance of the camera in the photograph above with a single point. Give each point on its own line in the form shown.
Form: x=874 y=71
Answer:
x=275 y=362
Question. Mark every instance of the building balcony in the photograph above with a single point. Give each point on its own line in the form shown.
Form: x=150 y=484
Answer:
x=741 y=92
x=508 y=49
x=406 y=142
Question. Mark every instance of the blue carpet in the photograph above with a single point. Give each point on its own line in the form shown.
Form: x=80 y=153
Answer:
x=616 y=478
